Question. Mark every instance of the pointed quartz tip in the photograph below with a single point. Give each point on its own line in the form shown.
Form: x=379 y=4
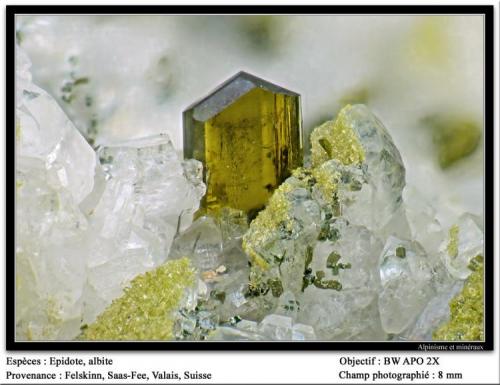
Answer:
x=230 y=91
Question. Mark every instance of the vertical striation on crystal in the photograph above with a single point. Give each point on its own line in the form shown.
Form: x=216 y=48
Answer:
x=247 y=133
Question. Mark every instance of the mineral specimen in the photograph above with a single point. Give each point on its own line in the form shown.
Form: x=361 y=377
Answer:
x=318 y=268
x=248 y=135
x=85 y=229
x=342 y=250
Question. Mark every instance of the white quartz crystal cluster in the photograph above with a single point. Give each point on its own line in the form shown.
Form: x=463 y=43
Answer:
x=87 y=222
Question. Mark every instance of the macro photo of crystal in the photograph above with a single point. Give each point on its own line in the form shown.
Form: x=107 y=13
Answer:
x=286 y=178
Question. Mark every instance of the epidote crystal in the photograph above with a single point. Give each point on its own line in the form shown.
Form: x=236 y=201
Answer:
x=248 y=135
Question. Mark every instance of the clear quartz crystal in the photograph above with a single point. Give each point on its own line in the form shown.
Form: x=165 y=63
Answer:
x=340 y=315
x=249 y=326
x=384 y=166
x=50 y=257
x=406 y=277
x=464 y=242
x=422 y=221
x=226 y=333
x=152 y=167
x=202 y=242
x=301 y=332
x=272 y=328
x=43 y=131
x=435 y=313
x=380 y=193
x=277 y=327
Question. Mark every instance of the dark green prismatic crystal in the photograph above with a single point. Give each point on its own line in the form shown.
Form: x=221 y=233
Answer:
x=248 y=135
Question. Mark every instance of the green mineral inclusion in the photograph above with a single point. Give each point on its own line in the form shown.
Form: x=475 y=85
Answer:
x=145 y=311
x=466 y=309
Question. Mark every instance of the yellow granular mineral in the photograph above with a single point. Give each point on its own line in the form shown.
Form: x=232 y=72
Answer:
x=145 y=311
x=336 y=139
x=466 y=309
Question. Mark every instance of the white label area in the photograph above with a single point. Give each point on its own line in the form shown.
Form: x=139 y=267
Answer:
x=255 y=367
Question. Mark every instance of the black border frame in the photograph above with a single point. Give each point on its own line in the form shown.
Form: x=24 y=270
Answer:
x=486 y=10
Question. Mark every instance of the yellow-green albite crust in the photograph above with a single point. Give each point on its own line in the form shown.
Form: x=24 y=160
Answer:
x=454 y=138
x=336 y=139
x=145 y=311
x=452 y=247
x=466 y=309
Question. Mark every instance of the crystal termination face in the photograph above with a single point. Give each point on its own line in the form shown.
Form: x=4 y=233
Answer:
x=248 y=135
